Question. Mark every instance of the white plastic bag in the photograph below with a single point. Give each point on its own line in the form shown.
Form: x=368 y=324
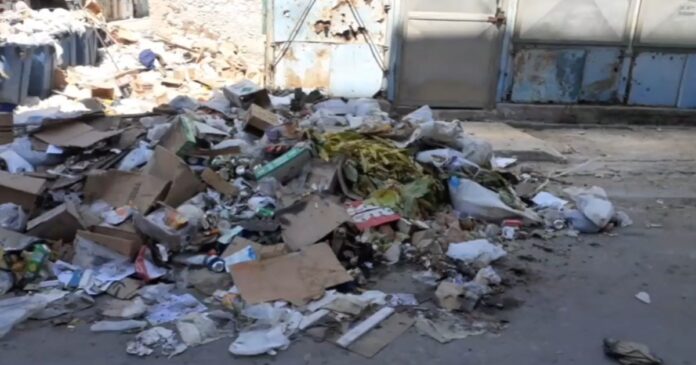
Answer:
x=480 y=252
x=593 y=203
x=474 y=200
x=12 y=217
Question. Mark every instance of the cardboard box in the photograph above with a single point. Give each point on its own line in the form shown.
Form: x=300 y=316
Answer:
x=181 y=137
x=73 y=134
x=21 y=190
x=245 y=93
x=167 y=166
x=58 y=224
x=259 y=120
x=323 y=176
x=6 y=128
x=120 y=188
x=125 y=246
x=287 y=166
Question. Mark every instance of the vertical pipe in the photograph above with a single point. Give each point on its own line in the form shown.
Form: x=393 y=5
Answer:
x=507 y=49
x=269 y=74
x=396 y=35
x=627 y=66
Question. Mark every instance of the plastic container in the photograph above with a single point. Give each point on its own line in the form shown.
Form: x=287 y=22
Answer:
x=68 y=41
x=15 y=61
x=43 y=63
x=86 y=48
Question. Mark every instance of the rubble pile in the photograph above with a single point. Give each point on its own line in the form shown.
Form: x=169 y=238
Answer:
x=256 y=216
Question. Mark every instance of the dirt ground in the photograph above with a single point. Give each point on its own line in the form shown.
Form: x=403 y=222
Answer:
x=568 y=295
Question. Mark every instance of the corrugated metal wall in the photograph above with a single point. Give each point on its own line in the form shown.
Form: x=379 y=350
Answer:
x=632 y=52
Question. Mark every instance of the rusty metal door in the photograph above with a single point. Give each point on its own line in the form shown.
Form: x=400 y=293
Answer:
x=450 y=53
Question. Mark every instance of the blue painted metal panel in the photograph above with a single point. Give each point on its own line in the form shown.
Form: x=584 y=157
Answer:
x=15 y=62
x=43 y=62
x=548 y=75
x=601 y=75
x=687 y=94
x=68 y=41
x=656 y=78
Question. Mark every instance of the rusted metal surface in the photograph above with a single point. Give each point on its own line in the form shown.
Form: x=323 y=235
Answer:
x=340 y=46
x=567 y=75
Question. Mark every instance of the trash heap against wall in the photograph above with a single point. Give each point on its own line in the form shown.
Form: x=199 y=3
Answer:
x=197 y=212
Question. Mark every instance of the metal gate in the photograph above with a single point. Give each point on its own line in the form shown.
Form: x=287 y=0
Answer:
x=450 y=53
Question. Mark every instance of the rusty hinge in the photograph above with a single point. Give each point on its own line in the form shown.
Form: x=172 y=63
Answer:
x=499 y=19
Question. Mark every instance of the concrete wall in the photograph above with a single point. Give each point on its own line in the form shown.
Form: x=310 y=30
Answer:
x=237 y=22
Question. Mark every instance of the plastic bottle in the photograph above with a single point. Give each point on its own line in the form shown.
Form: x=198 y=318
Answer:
x=36 y=260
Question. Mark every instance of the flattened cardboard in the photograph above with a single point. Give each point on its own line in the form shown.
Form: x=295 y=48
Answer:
x=124 y=246
x=216 y=182
x=125 y=289
x=76 y=134
x=15 y=241
x=319 y=217
x=167 y=166
x=58 y=224
x=120 y=188
x=378 y=338
x=259 y=120
x=263 y=252
x=296 y=277
x=20 y=190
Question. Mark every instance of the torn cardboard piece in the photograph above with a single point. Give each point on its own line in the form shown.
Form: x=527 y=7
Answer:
x=14 y=241
x=120 y=188
x=318 y=218
x=76 y=134
x=167 y=166
x=124 y=245
x=296 y=277
x=20 y=190
x=259 y=120
x=216 y=182
x=58 y=224
x=378 y=338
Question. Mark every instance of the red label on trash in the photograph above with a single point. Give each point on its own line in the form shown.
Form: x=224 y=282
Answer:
x=366 y=216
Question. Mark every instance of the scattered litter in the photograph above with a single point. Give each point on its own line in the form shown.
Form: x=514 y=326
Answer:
x=643 y=297
x=480 y=252
x=630 y=353
x=117 y=326
x=160 y=168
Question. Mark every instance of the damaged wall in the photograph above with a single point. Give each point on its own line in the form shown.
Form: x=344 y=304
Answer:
x=340 y=46
x=237 y=22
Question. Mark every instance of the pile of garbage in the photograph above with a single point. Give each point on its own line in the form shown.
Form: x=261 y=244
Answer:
x=256 y=216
